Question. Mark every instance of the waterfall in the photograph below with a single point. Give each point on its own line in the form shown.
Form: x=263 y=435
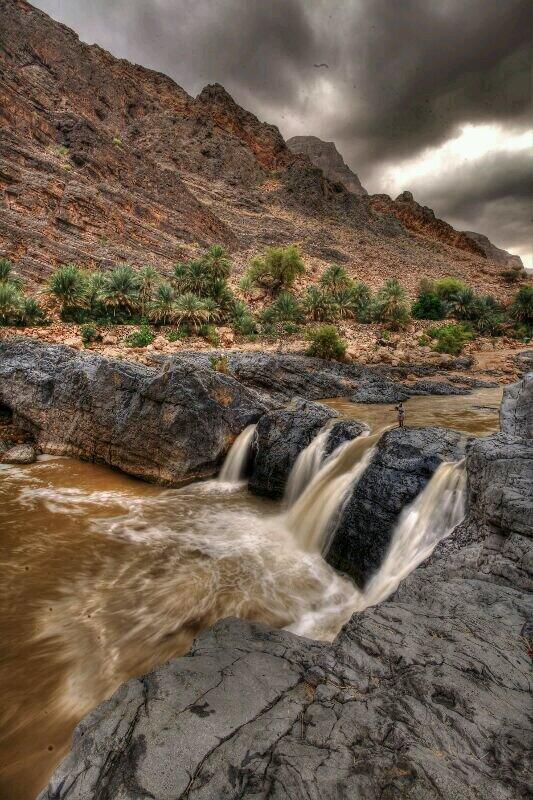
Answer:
x=313 y=515
x=432 y=516
x=306 y=466
x=234 y=467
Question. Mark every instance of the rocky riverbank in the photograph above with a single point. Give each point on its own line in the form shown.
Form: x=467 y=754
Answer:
x=423 y=696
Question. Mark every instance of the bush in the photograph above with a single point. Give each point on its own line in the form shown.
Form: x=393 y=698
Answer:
x=120 y=290
x=463 y=303
x=10 y=304
x=334 y=279
x=390 y=305
x=276 y=270
x=514 y=274
x=191 y=311
x=7 y=275
x=68 y=285
x=176 y=335
x=31 y=312
x=319 y=305
x=450 y=338
x=220 y=364
x=447 y=288
x=487 y=316
x=355 y=301
x=89 y=333
x=325 y=342
x=140 y=338
x=161 y=310
x=209 y=333
x=429 y=305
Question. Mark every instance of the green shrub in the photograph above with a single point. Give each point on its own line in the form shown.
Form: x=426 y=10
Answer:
x=513 y=274
x=191 y=311
x=463 y=303
x=31 y=312
x=325 y=342
x=7 y=275
x=245 y=325
x=120 y=290
x=450 y=338
x=429 y=305
x=176 y=335
x=161 y=310
x=220 y=364
x=148 y=280
x=89 y=333
x=276 y=270
x=210 y=334
x=140 y=338
x=487 y=316
x=447 y=288
x=390 y=305
x=335 y=279
x=355 y=301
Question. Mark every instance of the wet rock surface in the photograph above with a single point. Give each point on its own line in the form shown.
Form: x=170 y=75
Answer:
x=166 y=425
x=424 y=696
x=516 y=414
x=280 y=437
x=404 y=461
x=341 y=432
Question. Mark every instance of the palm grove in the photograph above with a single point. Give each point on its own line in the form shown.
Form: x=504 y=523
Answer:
x=197 y=297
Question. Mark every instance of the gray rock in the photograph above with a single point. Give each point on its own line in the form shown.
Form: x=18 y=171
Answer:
x=437 y=387
x=18 y=454
x=379 y=391
x=279 y=439
x=516 y=412
x=424 y=697
x=341 y=432
x=166 y=425
x=404 y=461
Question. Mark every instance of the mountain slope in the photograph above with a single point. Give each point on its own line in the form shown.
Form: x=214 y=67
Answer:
x=103 y=161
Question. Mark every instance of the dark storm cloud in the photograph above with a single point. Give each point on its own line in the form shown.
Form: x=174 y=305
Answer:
x=493 y=195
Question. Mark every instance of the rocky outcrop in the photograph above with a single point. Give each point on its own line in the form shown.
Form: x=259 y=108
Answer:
x=404 y=461
x=326 y=156
x=424 y=696
x=496 y=254
x=18 y=454
x=341 y=432
x=279 y=439
x=167 y=425
x=516 y=414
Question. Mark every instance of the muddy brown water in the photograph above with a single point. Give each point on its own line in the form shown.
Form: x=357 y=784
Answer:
x=103 y=577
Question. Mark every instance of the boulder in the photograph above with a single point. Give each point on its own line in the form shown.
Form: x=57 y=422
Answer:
x=19 y=454
x=167 y=425
x=437 y=387
x=280 y=437
x=379 y=391
x=404 y=461
x=516 y=412
x=341 y=432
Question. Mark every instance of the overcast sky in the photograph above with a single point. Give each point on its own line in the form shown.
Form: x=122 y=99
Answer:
x=433 y=96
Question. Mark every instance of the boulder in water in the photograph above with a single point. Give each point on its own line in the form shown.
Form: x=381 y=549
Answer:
x=379 y=390
x=345 y=430
x=166 y=425
x=18 y=454
x=280 y=438
x=404 y=461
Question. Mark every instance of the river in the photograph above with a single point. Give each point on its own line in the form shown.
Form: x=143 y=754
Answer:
x=104 y=576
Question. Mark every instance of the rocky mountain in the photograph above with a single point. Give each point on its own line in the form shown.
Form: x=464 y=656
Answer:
x=326 y=156
x=103 y=161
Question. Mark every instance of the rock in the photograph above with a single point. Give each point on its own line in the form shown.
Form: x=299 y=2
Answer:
x=379 y=391
x=326 y=156
x=227 y=337
x=19 y=454
x=524 y=360
x=404 y=461
x=341 y=432
x=437 y=387
x=166 y=425
x=516 y=412
x=280 y=438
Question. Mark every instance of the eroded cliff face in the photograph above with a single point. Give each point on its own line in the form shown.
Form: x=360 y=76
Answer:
x=423 y=696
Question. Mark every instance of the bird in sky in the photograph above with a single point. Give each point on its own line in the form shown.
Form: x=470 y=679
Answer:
x=321 y=65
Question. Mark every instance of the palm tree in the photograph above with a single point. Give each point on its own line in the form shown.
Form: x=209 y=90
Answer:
x=10 y=303
x=162 y=310
x=94 y=284
x=320 y=306
x=391 y=304
x=7 y=275
x=68 y=285
x=277 y=269
x=522 y=306
x=335 y=279
x=191 y=310
x=355 y=301
x=121 y=289
x=463 y=303
x=285 y=308
x=30 y=311
x=217 y=261
x=148 y=279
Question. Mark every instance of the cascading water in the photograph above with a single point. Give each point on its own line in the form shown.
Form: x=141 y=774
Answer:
x=313 y=515
x=306 y=466
x=234 y=467
x=437 y=510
